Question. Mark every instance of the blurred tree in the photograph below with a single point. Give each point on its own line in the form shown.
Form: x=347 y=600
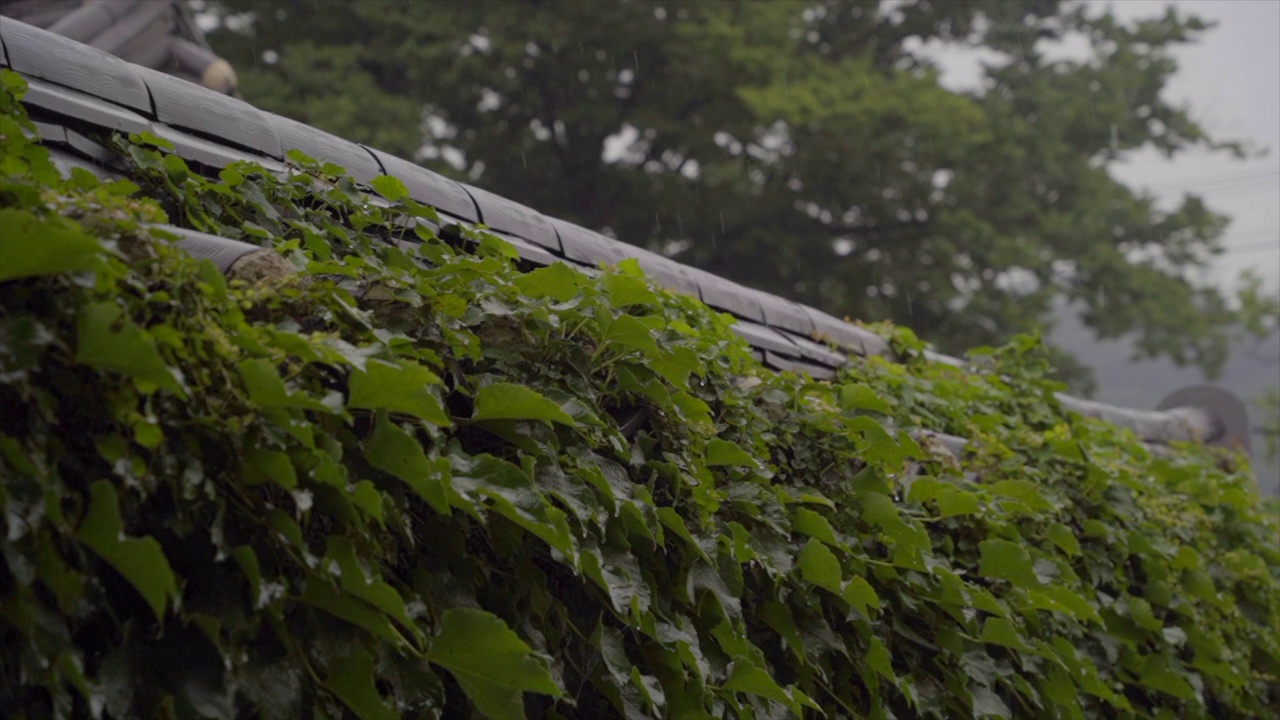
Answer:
x=806 y=148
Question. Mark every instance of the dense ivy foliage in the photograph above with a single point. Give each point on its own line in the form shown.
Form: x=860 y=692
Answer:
x=412 y=480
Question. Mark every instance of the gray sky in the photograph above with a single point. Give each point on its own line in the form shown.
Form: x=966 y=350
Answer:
x=1230 y=80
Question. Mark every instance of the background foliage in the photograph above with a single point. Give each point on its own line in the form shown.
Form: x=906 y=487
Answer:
x=408 y=482
x=806 y=148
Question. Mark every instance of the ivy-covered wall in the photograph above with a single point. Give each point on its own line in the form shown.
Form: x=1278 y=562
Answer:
x=413 y=480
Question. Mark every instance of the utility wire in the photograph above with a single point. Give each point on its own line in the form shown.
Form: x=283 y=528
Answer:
x=1218 y=179
x=1252 y=247
x=1252 y=232
x=1221 y=193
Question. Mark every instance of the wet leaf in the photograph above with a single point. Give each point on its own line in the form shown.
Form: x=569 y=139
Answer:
x=491 y=663
x=508 y=401
x=140 y=560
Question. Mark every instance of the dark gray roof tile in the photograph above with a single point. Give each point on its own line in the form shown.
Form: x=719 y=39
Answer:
x=847 y=335
x=764 y=338
x=728 y=296
x=222 y=251
x=817 y=352
x=36 y=53
x=587 y=246
x=778 y=362
x=74 y=105
x=511 y=217
x=784 y=314
x=65 y=161
x=320 y=145
x=428 y=187
x=938 y=357
x=528 y=252
x=207 y=152
x=663 y=271
x=90 y=148
x=51 y=132
x=199 y=109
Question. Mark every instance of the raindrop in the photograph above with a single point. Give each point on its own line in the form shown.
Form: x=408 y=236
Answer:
x=523 y=161
x=635 y=55
x=722 y=230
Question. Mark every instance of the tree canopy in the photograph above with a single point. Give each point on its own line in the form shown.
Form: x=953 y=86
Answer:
x=805 y=148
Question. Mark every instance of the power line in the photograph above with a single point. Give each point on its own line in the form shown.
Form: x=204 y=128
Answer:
x=1252 y=247
x=1251 y=235
x=1218 y=179
x=1221 y=193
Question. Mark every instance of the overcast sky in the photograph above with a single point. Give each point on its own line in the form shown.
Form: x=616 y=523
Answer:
x=1231 y=82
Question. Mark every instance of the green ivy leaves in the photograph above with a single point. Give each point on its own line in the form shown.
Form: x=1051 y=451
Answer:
x=31 y=246
x=107 y=340
x=423 y=483
x=509 y=401
x=140 y=560
x=405 y=387
x=491 y=663
x=394 y=451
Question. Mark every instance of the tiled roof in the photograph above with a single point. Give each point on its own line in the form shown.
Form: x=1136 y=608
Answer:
x=78 y=92
x=159 y=34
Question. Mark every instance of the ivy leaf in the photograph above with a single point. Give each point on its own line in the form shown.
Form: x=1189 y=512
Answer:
x=557 y=281
x=819 y=566
x=779 y=617
x=953 y=502
x=1157 y=675
x=1000 y=631
x=372 y=590
x=1023 y=491
x=508 y=401
x=140 y=560
x=808 y=522
x=31 y=246
x=695 y=411
x=723 y=452
x=267 y=388
x=673 y=522
x=512 y=494
x=320 y=594
x=352 y=681
x=856 y=396
x=1007 y=561
x=1064 y=538
x=629 y=332
x=676 y=365
x=747 y=677
x=878 y=659
x=491 y=663
x=128 y=350
x=879 y=510
x=404 y=388
x=861 y=595
x=1072 y=601
x=262 y=466
x=987 y=704
x=626 y=289
x=394 y=451
x=389 y=187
